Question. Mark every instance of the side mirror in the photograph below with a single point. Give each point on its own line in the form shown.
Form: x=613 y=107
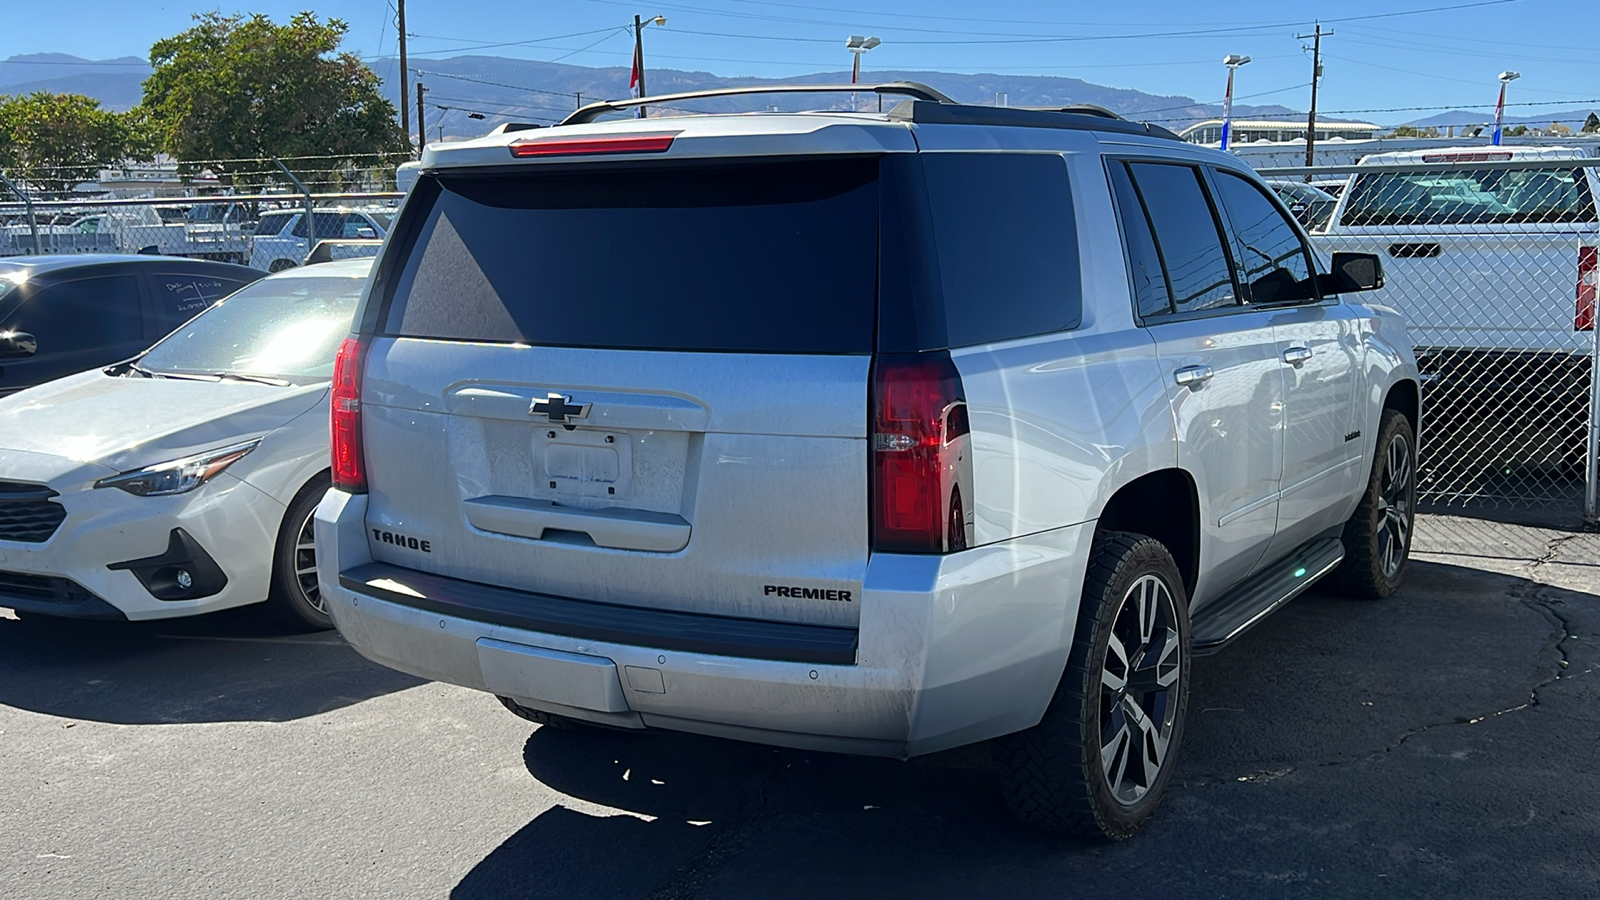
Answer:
x=17 y=345
x=367 y=233
x=1353 y=272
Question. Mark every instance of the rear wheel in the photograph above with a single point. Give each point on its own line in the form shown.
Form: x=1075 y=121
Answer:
x=1099 y=761
x=1377 y=538
x=296 y=597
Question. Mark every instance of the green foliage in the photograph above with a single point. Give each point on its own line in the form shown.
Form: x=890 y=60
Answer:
x=232 y=89
x=54 y=141
x=1591 y=125
x=1413 y=131
x=1517 y=131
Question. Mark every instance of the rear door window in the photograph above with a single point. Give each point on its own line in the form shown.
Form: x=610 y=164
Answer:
x=776 y=256
x=272 y=225
x=1007 y=244
x=1150 y=293
x=1188 y=236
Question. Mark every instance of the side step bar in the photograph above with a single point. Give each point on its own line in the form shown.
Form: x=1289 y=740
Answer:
x=1215 y=626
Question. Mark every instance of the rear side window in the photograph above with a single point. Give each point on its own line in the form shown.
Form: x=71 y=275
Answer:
x=1150 y=293
x=1007 y=244
x=762 y=257
x=1188 y=236
x=272 y=225
x=1470 y=197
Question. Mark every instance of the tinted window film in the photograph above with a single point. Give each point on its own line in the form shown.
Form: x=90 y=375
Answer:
x=1274 y=262
x=328 y=224
x=180 y=297
x=1186 y=232
x=1150 y=293
x=1470 y=197
x=1007 y=244
x=271 y=226
x=763 y=257
x=82 y=315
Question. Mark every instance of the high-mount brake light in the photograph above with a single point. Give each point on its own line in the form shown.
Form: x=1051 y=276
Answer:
x=349 y=466
x=1588 y=286
x=592 y=146
x=1484 y=156
x=918 y=414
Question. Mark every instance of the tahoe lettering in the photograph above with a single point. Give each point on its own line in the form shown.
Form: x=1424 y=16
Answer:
x=400 y=540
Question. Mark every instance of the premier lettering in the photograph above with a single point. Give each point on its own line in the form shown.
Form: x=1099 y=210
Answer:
x=805 y=593
x=400 y=540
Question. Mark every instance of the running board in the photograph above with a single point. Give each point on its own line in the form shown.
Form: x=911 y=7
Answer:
x=1215 y=626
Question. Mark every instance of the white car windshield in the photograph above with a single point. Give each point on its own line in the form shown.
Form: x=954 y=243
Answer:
x=282 y=328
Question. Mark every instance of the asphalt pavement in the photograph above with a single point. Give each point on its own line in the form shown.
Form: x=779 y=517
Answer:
x=1442 y=743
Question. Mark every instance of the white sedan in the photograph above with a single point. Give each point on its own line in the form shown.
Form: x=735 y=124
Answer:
x=182 y=481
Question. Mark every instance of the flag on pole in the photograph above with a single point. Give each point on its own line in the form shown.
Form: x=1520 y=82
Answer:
x=638 y=65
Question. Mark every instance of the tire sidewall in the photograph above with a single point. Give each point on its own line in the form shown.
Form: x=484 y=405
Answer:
x=1394 y=425
x=1149 y=557
x=286 y=594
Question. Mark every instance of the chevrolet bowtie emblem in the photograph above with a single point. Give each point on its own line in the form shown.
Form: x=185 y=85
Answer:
x=559 y=408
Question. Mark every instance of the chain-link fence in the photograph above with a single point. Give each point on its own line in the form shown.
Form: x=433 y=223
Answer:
x=268 y=231
x=1491 y=256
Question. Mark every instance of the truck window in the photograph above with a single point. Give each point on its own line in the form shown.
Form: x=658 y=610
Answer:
x=1470 y=197
x=1188 y=236
x=1274 y=263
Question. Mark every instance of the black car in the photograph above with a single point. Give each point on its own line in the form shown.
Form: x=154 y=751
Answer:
x=65 y=314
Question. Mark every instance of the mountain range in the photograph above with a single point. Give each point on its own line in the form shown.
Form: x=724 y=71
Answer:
x=468 y=94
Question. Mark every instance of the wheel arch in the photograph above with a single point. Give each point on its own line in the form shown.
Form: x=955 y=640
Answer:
x=1145 y=506
x=1406 y=398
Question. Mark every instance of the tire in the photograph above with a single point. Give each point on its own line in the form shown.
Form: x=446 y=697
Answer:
x=1377 y=538
x=295 y=597
x=538 y=716
x=1055 y=775
x=278 y=265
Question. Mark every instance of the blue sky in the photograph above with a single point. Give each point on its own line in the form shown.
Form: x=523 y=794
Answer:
x=1376 y=60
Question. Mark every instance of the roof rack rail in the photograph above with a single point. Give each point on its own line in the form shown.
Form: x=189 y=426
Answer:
x=588 y=113
x=1022 y=117
x=1082 y=109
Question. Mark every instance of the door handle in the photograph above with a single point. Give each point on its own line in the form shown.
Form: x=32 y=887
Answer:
x=1192 y=377
x=1294 y=356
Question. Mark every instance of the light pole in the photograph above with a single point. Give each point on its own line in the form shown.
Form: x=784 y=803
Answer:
x=858 y=45
x=1233 y=61
x=1500 y=106
x=636 y=80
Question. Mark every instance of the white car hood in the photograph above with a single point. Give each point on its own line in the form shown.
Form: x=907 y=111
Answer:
x=127 y=423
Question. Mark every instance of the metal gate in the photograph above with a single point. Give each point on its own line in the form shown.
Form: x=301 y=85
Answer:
x=1491 y=256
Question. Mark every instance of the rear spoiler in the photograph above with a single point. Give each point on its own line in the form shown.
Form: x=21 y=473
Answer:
x=342 y=248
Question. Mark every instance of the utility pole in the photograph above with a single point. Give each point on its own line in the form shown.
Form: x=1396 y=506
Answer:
x=1316 y=76
x=422 y=127
x=405 y=73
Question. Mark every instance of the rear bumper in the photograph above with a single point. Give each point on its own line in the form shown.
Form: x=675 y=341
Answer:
x=950 y=650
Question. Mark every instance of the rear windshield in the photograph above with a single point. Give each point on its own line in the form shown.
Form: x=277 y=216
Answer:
x=761 y=257
x=1471 y=197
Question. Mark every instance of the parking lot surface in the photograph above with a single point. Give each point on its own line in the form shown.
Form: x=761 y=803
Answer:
x=1443 y=743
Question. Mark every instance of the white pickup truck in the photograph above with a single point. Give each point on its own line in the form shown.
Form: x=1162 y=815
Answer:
x=1491 y=255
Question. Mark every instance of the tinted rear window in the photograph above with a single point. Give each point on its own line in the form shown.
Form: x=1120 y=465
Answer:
x=762 y=257
x=1471 y=197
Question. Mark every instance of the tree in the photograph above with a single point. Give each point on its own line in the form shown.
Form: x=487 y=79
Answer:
x=1558 y=129
x=1591 y=125
x=234 y=91
x=55 y=141
x=1517 y=131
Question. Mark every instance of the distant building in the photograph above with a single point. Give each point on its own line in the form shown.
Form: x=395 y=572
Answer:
x=1246 y=131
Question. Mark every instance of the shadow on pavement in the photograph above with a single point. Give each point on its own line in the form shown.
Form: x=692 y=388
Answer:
x=236 y=665
x=1342 y=748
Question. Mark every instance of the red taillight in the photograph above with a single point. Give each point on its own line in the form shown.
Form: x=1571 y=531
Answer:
x=349 y=470
x=599 y=144
x=918 y=416
x=1588 y=281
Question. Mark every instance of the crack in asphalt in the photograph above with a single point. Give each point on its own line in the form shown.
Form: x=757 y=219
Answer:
x=1530 y=594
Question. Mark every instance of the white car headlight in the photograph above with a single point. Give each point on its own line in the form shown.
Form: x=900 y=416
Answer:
x=180 y=475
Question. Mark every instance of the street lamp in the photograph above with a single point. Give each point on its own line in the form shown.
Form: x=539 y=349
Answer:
x=1233 y=61
x=1500 y=107
x=636 y=80
x=858 y=45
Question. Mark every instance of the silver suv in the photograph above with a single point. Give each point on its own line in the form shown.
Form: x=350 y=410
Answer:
x=879 y=433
